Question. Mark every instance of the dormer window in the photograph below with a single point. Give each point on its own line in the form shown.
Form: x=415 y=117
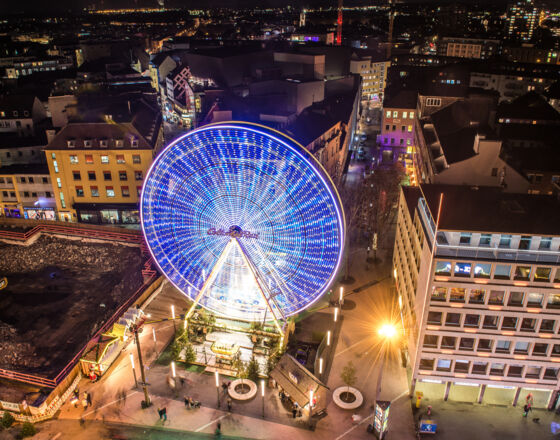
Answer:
x=25 y=113
x=134 y=143
x=87 y=143
x=16 y=113
x=103 y=143
x=119 y=143
x=71 y=143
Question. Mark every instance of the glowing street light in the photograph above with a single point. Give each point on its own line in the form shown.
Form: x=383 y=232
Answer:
x=217 y=386
x=328 y=338
x=335 y=314
x=262 y=394
x=387 y=331
x=341 y=296
x=173 y=317
x=320 y=365
x=173 y=373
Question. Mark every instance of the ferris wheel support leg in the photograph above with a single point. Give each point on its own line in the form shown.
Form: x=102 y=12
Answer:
x=208 y=281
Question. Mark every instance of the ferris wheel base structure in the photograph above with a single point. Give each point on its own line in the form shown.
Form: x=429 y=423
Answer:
x=244 y=221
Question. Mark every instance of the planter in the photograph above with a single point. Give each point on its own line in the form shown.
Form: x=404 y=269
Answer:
x=242 y=389
x=348 y=397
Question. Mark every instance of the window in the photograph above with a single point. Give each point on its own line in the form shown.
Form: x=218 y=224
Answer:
x=540 y=349
x=89 y=159
x=45 y=180
x=434 y=317
x=465 y=238
x=33 y=194
x=103 y=143
x=387 y=127
x=457 y=294
x=535 y=300
x=411 y=115
x=118 y=143
x=496 y=297
x=556 y=349
x=104 y=159
x=122 y=175
x=439 y=294
x=138 y=191
x=557 y=276
x=410 y=128
x=107 y=175
x=503 y=346
x=497 y=369
x=466 y=344
x=73 y=159
x=395 y=114
x=482 y=270
x=30 y=179
x=477 y=296
x=426 y=364
x=26 y=194
x=551 y=373
x=431 y=341
x=472 y=320
x=433 y=102
x=533 y=372
x=528 y=324
x=79 y=191
x=388 y=114
x=448 y=342
x=494 y=172
x=545 y=243
x=394 y=128
x=22 y=179
x=485 y=345
x=76 y=175
x=94 y=191
x=48 y=194
x=403 y=128
x=542 y=274
x=461 y=366
x=509 y=323
x=490 y=321
x=62 y=202
x=120 y=158
x=125 y=191
x=525 y=242
x=138 y=175
x=136 y=158
x=515 y=371
x=515 y=299
x=505 y=241
x=522 y=273
x=443 y=365
x=479 y=367
x=553 y=301
x=462 y=269
x=91 y=175
x=58 y=182
x=110 y=191
x=453 y=319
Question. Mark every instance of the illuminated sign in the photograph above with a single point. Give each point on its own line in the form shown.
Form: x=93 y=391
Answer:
x=234 y=232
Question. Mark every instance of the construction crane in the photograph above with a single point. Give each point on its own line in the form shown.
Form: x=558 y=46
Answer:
x=339 y=24
x=391 y=22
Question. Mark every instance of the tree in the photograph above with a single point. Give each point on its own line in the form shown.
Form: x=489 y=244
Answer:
x=253 y=370
x=241 y=368
x=190 y=353
x=28 y=430
x=7 y=419
x=348 y=375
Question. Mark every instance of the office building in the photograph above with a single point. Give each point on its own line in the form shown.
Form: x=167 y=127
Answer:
x=522 y=20
x=374 y=77
x=477 y=272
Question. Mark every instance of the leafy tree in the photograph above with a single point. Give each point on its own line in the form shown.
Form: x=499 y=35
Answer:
x=241 y=369
x=28 y=430
x=253 y=370
x=348 y=375
x=190 y=353
x=7 y=419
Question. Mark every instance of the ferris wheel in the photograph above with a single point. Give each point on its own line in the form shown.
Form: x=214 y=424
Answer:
x=243 y=221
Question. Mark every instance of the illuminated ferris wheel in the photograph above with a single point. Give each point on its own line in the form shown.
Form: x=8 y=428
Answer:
x=243 y=221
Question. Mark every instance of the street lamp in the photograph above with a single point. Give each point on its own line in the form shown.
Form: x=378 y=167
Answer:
x=173 y=369
x=310 y=406
x=217 y=386
x=328 y=338
x=173 y=317
x=335 y=313
x=133 y=370
x=341 y=296
x=320 y=365
x=262 y=394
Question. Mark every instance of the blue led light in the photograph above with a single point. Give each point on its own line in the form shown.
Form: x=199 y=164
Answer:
x=252 y=183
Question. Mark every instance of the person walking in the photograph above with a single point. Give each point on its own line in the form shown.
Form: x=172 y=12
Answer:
x=164 y=414
x=229 y=404
x=159 y=413
x=218 y=432
x=187 y=402
x=88 y=398
x=526 y=410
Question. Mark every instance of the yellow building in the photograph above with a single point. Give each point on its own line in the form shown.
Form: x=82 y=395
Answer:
x=97 y=169
x=374 y=77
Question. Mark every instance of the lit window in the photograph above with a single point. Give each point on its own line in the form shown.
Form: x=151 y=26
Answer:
x=110 y=191
x=125 y=191
x=73 y=159
x=62 y=202
x=443 y=268
x=79 y=191
x=94 y=191
x=463 y=269
x=395 y=114
x=523 y=273
x=388 y=114
x=542 y=274
x=410 y=128
x=136 y=158
x=58 y=182
x=120 y=158
x=482 y=270
x=89 y=159
x=545 y=243
x=104 y=159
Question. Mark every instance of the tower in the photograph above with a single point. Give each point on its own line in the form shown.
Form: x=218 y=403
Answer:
x=339 y=24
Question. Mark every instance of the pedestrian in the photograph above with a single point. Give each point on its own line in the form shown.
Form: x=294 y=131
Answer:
x=182 y=379
x=88 y=398
x=218 y=432
x=224 y=387
x=160 y=412
x=294 y=410
x=525 y=410
x=85 y=403
x=188 y=402
x=164 y=414
x=229 y=404
x=429 y=410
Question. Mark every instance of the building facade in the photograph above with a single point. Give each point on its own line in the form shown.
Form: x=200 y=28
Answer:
x=479 y=293
x=97 y=170
x=374 y=77
x=522 y=20
x=468 y=48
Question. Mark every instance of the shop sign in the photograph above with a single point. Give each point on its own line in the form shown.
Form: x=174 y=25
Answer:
x=9 y=406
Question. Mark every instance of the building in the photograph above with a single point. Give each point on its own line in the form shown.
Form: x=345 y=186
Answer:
x=181 y=99
x=19 y=114
x=522 y=20
x=323 y=38
x=27 y=67
x=457 y=145
x=26 y=192
x=160 y=66
x=374 y=77
x=528 y=53
x=480 y=302
x=97 y=168
x=396 y=141
x=476 y=48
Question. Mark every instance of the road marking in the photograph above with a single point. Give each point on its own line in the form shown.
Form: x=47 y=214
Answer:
x=210 y=423
x=57 y=436
x=350 y=347
x=355 y=426
x=107 y=404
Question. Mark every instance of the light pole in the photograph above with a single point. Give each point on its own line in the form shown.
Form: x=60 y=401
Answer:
x=335 y=314
x=133 y=370
x=136 y=329
x=310 y=406
x=262 y=394
x=173 y=317
x=341 y=297
x=328 y=338
x=387 y=332
x=217 y=386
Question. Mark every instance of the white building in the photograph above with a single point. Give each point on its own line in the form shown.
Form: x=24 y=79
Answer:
x=374 y=77
x=481 y=306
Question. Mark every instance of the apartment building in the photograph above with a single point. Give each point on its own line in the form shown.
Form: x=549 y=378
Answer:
x=374 y=77
x=478 y=279
x=475 y=48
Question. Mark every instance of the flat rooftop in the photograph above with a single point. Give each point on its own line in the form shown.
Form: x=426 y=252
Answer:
x=59 y=293
x=489 y=209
